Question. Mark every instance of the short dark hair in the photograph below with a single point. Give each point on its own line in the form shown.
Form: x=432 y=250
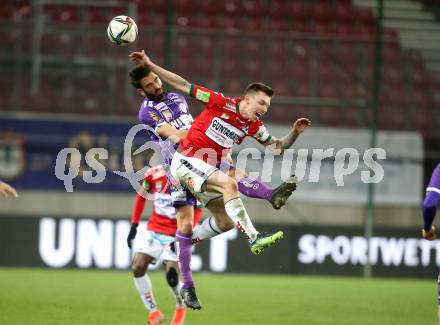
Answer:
x=258 y=86
x=137 y=74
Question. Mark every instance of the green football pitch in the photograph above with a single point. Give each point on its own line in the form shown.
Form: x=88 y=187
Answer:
x=46 y=297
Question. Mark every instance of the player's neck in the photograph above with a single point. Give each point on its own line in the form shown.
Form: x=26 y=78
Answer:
x=240 y=112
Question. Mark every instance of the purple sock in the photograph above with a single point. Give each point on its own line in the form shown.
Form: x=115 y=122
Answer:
x=253 y=188
x=430 y=203
x=184 y=251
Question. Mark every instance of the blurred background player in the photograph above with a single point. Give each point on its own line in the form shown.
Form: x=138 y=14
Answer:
x=153 y=244
x=432 y=199
x=224 y=122
x=7 y=190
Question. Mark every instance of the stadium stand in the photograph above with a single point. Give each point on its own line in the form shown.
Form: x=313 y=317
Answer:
x=305 y=49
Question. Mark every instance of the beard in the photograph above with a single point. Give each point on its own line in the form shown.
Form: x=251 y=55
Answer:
x=157 y=96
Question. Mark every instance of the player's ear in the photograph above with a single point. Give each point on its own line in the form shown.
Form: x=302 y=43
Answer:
x=142 y=92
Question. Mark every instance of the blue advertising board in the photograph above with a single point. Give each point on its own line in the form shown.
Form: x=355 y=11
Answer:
x=29 y=149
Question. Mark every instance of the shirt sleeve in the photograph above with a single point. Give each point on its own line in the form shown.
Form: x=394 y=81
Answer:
x=207 y=96
x=262 y=135
x=138 y=208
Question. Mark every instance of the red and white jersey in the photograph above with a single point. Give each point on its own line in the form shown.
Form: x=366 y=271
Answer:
x=163 y=219
x=220 y=125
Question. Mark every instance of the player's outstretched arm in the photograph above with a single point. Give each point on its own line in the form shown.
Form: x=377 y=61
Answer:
x=7 y=190
x=169 y=77
x=279 y=144
x=167 y=131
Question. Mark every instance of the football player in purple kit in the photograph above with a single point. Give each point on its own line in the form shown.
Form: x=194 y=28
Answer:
x=432 y=199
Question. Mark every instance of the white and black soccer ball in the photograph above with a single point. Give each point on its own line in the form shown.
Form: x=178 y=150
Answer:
x=122 y=30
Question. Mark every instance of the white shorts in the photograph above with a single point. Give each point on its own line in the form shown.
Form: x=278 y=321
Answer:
x=192 y=173
x=156 y=245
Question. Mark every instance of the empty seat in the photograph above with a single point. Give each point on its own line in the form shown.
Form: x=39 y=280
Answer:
x=281 y=87
x=322 y=12
x=209 y=7
x=421 y=99
x=231 y=7
x=67 y=14
x=300 y=89
x=328 y=90
x=231 y=69
x=96 y=15
x=330 y=116
x=297 y=10
x=183 y=7
x=151 y=19
x=228 y=23
x=364 y=16
x=251 y=23
x=252 y=70
x=343 y=13
x=153 y=6
x=232 y=87
x=251 y=48
x=253 y=8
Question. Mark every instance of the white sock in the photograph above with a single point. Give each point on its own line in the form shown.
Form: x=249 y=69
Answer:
x=236 y=211
x=207 y=229
x=176 y=292
x=145 y=289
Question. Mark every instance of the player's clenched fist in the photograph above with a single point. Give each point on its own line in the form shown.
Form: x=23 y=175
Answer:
x=7 y=190
x=301 y=124
x=132 y=234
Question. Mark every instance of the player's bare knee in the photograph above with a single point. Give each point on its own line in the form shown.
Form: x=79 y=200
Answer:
x=231 y=186
x=172 y=277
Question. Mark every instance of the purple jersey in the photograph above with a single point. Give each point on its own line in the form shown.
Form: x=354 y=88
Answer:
x=172 y=109
x=434 y=183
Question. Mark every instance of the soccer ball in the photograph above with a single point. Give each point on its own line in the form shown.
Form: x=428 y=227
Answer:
x=122 y=30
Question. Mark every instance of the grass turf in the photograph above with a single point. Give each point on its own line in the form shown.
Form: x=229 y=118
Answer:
x=49 y=297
